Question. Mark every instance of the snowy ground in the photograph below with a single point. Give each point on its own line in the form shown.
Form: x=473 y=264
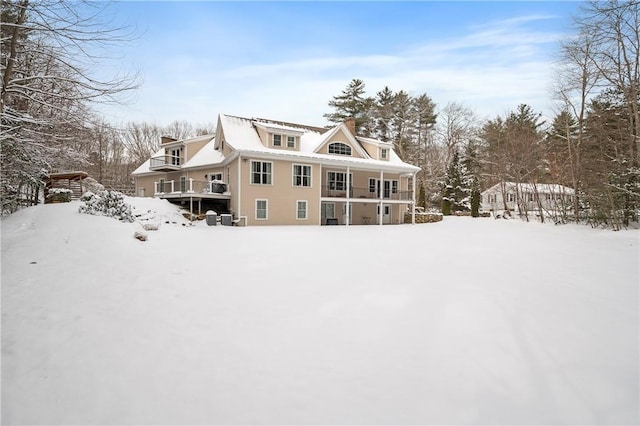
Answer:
x=466 y=321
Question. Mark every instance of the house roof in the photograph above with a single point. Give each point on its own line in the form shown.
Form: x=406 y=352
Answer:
x=241 y=135
x=206 y=156
x=540 y=188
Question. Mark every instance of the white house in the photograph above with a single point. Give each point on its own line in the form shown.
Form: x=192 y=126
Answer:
x=527 y=196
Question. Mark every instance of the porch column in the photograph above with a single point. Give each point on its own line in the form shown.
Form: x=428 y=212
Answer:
x=172 y=188
x=321 y=181
x=413 y=198
x=381 y=195
x=190 y=184
x=239 y=188
x=155 y=187
x=348 y=198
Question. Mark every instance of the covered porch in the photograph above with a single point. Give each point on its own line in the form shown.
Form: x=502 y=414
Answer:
x=198 y=196
x=352 y=196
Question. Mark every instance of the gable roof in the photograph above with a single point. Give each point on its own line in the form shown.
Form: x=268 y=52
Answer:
x=351 y=140
x=241 y=135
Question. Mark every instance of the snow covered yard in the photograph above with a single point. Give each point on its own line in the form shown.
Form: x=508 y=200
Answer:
x=465 y=321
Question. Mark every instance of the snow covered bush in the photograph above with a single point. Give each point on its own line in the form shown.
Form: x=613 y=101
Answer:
x=107 y=203
x=92 y=185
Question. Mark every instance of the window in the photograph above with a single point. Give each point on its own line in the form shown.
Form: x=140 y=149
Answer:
x=491 y=198
x=338 y=180
x=161 y=186
x=531 y=197
x=372 y=185
x=261 y=172
x=384 y=153
x=183 y=184
x=301 y=210
x=261 y=210
x=301 y=175
x=215 y=176
x=387 y=188
x=291 y=141
x=175 y=156
x=511 y=197
x=277 y=140
x=339 y=148
x=394 y=186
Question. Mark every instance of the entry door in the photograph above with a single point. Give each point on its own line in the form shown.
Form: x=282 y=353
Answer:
x=386 y=216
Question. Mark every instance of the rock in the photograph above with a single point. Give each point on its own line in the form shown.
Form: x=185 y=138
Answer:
x=139 y=235
x=150 y=227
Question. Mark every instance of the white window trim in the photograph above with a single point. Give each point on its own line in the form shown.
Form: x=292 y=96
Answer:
x=266 y=209
x=251 y=173
x=306 y=210
x=293 y=175
x=345 y=181
x=384 y=154
x=273 y=140
x=294 y=141
x=350 y=154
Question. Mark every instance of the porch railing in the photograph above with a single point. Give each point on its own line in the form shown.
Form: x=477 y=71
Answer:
x=164 y=161
x=190 y=186
x=367 y=193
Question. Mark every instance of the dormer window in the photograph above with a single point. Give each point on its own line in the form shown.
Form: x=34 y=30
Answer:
x=339 y=148
x=291 y=141
x=175 y=155
x=277 y=140
x=384 y=154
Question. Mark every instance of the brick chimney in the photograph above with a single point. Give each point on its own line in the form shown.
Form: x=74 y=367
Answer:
x=167 y=139
x=351 y=125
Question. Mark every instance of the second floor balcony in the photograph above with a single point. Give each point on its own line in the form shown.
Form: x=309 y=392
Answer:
x=340 y=191
x=165 y=163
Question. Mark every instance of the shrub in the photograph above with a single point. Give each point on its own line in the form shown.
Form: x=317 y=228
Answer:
x=107 y=203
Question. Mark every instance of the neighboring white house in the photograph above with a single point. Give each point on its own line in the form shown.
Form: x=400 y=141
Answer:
x=527 y=196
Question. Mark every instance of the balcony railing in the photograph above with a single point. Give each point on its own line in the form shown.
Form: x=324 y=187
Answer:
x=165 y=162
x=190 y=186
x=336 y=191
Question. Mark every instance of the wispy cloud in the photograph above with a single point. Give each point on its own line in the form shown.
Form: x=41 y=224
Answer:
x=491 y=67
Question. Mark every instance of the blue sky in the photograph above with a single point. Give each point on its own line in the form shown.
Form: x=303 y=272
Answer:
x=286 y=60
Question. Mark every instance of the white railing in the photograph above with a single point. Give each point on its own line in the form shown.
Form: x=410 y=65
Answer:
x=189 y=186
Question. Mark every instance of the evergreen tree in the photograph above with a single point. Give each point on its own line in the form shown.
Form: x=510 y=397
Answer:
x=456 y=191
x=471 y=181
x=385 y=101
x=350 y=104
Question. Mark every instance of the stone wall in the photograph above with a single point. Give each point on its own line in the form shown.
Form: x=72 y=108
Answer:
x=423 y=217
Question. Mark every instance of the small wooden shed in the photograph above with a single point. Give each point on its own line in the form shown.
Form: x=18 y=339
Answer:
x=66 y=180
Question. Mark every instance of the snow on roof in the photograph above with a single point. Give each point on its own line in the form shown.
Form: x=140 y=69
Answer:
x=240 y=134
x=374 y=141
x=541 y=188
x=144 y=167
x=206 y=156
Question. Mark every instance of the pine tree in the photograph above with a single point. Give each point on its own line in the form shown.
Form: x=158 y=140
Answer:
x=456 y=191
x=350 y=104
x=471 y=171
